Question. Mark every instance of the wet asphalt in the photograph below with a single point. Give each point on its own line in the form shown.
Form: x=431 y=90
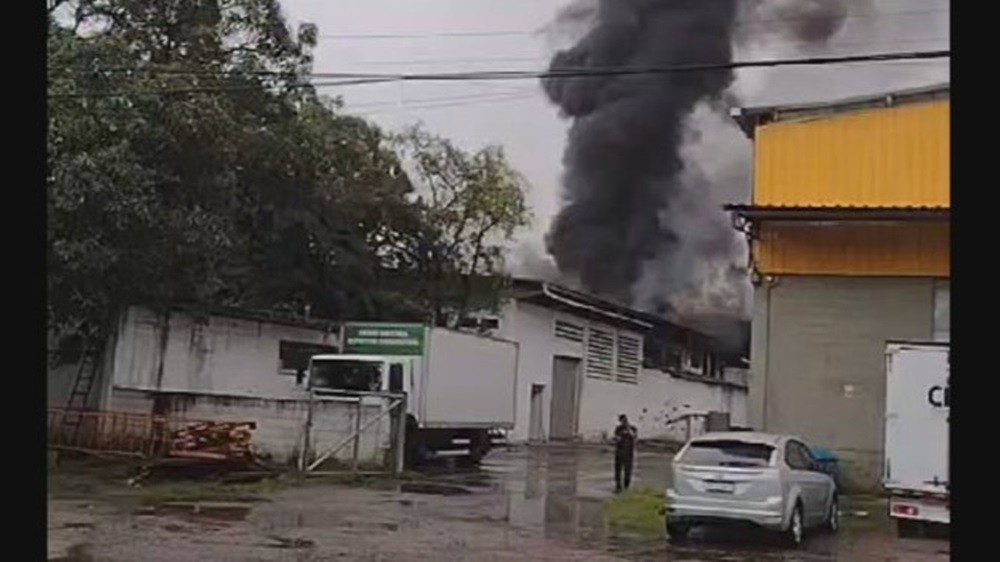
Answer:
x=561 y=491
x=538 y=503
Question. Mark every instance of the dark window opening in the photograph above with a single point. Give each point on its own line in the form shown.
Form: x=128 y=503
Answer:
x=728 y=453
x=395 y=378
x=294 y=356
x=358 y=376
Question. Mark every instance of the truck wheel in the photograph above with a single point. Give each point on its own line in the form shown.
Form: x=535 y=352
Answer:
x=908 y=528
x=796 y=527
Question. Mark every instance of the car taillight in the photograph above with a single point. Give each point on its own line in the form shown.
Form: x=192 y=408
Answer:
x=908 y=510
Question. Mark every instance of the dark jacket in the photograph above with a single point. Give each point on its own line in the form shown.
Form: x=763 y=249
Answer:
x=625 y=437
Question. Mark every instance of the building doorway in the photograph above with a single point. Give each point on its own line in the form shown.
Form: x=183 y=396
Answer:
x=536 y=432
x=565 y=403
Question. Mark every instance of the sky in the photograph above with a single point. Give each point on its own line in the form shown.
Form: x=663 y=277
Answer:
x=386 y=36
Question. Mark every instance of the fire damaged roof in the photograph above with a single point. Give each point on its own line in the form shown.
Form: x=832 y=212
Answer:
x=748 y=118
x=551 y=295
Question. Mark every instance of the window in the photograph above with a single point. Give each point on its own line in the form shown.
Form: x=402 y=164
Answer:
x=480 y=323
x=568 y=331
x=359 y=376
x=600 y=353
x=942 y=311
x=627 y=359
x=727 y=453
x=798 y=456
x=395 y=377
x=294 y=356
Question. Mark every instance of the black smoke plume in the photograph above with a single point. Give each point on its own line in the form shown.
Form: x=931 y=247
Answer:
x=623 y=162
x=639 y=222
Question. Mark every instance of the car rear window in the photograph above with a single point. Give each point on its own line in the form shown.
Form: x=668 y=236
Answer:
x=728 y=453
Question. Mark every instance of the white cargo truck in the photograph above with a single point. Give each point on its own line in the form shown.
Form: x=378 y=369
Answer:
x=917 y=405
x=460 y=387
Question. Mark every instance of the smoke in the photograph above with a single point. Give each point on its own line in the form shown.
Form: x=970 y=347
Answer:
x=651 y=158
x=623 y=178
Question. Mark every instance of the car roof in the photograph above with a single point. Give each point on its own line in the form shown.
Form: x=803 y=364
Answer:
x=772 y=439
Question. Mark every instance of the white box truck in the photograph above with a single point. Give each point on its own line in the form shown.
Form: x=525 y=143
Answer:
x=917 y=407
x=460 y=387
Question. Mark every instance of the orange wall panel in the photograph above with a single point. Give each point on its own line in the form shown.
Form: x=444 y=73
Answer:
x=891 y=157
x=864 y=249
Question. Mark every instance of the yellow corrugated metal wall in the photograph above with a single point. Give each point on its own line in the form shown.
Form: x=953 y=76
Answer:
x=849 y=248
x=891 y=157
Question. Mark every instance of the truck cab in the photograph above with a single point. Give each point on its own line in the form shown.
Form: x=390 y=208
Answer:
x=360 y=373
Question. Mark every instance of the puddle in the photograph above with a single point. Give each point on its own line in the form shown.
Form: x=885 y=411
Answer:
x=433 y=488
x=76 y=553
x=215 y=512
x=289 y=543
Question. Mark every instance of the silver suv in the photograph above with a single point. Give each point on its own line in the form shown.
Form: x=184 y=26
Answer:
x=771 y=481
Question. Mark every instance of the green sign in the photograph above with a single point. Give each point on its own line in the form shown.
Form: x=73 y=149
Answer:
x=384 y=339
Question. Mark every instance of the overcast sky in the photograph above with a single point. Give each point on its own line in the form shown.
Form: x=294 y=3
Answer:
x=460 y=35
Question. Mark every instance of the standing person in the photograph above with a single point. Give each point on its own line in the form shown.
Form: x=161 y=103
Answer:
x=625 y=437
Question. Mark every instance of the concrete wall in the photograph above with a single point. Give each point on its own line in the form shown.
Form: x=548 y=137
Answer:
x=817 y=360
x=280 y=422
x=656 y=398
x=218 y=354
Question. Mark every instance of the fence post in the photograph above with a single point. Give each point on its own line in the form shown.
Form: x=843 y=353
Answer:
x=400 y=436
x=307 y=433
x=357 y=435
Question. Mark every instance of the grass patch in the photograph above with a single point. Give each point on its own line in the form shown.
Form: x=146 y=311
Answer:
x=639 y=511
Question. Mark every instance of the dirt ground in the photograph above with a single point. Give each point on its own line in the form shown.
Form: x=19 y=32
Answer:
x=540 y=504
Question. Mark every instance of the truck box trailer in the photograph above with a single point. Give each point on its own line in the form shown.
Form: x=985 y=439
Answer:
x=917 y=407
x=460 y=387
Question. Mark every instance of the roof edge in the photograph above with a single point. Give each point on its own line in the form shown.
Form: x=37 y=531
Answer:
x=748 y=118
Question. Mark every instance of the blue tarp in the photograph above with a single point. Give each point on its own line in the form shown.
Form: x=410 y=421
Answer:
x=829 y=461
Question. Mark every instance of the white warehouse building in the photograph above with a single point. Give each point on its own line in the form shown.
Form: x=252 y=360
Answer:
x=583 y=361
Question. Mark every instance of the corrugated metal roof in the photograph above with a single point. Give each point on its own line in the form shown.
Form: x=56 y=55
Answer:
x=748 y=118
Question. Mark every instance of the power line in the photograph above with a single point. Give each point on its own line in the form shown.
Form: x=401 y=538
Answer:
x=526 y=33
x=365 y=78
x=545 y=59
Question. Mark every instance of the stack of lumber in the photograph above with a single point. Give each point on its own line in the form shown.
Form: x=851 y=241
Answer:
x=213 y=441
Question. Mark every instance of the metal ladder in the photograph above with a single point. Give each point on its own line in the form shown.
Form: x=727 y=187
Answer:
x=83 y=383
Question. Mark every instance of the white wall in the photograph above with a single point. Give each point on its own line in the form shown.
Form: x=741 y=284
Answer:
x=657 y=398
x=532 y=327
x=224 y=355
x=280 y=422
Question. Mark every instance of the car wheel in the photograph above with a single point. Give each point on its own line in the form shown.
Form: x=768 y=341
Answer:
x=796 y=527
x=833 y=518
x=677 y=532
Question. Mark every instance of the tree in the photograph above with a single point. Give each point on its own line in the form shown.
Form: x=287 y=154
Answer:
x=190 y=160
x=471 y=205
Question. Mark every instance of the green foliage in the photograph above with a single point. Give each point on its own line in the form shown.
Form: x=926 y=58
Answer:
x=190 y=161
x=471 y=206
